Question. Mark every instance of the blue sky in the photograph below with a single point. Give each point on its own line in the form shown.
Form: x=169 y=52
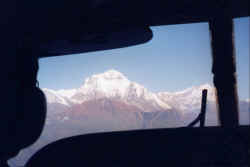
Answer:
x=178 y=57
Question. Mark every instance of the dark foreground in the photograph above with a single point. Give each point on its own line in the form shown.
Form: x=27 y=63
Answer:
x=181 y=147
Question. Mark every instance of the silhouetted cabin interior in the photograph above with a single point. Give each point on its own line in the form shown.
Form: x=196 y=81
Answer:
x=56 y=28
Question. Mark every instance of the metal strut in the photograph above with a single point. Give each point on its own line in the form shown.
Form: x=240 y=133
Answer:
x=201 y=117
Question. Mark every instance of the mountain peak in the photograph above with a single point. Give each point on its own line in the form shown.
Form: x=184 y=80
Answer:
x=110 y=82
x=107 y=80
x=107 y=75
x=113 y=72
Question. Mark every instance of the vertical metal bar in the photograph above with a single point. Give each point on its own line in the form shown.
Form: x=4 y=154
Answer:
x=224 y=69
x=202 y=115
x=203 y=107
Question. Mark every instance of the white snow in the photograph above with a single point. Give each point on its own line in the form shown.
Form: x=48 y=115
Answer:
x=54 y=97
x=114 y=84
x=188 y=99
x=67 y=92
x=110 y=83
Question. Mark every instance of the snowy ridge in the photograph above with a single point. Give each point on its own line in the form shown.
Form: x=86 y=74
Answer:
x=54 y=97
x=114 y=85
x=188 y=99
x=67 y=93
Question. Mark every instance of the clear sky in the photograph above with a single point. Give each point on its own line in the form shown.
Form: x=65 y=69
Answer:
x=178 y=57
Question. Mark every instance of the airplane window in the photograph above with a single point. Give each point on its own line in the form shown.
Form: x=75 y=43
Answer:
x=242 y=59
x=154 y=85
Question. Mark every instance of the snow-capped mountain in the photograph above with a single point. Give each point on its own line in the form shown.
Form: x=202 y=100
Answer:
x=188 y=99
x=113 y=85
x=113 y=91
